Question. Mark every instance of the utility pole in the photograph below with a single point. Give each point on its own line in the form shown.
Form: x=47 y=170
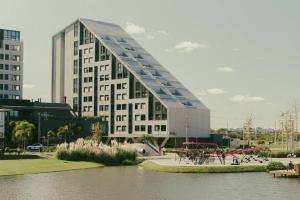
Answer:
x=186 y=132
x=275 y=132
x=39 y=127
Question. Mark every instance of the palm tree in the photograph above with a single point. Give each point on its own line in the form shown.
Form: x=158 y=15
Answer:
x=64 y=131
x=50 y=134
x=22 y=131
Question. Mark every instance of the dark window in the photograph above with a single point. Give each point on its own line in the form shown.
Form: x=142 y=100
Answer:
x=119 y=106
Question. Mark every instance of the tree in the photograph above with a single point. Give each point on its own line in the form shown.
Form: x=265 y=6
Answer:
x=64 y=131
x=22 y=131
x=50 y=134
x=97 y=132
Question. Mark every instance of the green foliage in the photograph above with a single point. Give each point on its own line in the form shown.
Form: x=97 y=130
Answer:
x=22 y=130
x=146 y=138
x=49 y=149
x=51 y=133
x=273 y=165
x=97 y=132
x=64 y=131
x=279 y=154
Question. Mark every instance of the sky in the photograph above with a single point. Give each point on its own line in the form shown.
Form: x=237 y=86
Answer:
x=237 y=57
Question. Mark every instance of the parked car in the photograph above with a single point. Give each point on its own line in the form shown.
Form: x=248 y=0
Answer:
x=35 y=147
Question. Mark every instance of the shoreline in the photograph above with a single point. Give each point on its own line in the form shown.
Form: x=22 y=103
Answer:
x=152 y=166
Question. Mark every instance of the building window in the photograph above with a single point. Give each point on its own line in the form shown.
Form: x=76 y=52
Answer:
x=119 y=96
x=75 y=85
x=119 y=86
x=75 y=67
x=137 y=128
x=137 y=118
x=156 y=127
x=119 y=106
x=163 y=127
x=75 y=48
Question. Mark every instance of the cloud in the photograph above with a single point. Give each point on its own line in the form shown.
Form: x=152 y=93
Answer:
x=211 y=91
x=29 y=86
x=132 y=28
x=149 y=36
x=188 y=46
x=225 y=69
x=215 y=91
x=162 y=32
x=242 y=98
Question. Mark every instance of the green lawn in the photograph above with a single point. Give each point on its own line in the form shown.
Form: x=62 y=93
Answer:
x=31 y=166
x=149 y=165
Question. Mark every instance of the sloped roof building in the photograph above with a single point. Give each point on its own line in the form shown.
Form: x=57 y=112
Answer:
x=100 y=70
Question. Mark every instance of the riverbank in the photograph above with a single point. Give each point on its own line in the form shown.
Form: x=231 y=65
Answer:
x=41 y=165
x=152 y=166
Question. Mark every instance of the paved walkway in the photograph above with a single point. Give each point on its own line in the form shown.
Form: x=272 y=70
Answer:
x=173 y=160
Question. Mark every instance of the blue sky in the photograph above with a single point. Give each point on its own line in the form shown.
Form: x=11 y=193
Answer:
x=238 y=57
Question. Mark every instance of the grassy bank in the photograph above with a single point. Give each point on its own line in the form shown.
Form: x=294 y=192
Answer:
x=149 y=165
x=41 y=165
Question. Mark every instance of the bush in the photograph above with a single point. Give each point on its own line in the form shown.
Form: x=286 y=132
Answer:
x=49 y=149
x=276 y=166
x=90 y=150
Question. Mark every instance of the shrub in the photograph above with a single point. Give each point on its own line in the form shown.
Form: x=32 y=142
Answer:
x=273 y=165
x=90 y=150
x=49 y=149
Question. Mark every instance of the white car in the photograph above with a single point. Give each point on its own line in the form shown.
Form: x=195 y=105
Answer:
x=35 y=147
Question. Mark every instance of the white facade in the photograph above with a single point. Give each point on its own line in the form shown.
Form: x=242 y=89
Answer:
x=11 y=65
x=100 y=70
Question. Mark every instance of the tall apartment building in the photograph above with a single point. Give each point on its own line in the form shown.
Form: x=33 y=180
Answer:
x=11 y=65
x=102 y=71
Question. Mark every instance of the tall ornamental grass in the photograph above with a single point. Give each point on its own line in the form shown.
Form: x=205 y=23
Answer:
x=90 y=150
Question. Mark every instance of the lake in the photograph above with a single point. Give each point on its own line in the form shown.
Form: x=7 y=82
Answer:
x=133 y=183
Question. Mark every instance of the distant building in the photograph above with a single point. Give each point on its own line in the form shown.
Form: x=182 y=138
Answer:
x=11 y=65
x=100 y=70
x=45 y=117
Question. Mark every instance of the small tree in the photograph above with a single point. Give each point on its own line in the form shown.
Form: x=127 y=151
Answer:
x=22 y=131
x=97 y=132
x=64 y=131
x=50 y=134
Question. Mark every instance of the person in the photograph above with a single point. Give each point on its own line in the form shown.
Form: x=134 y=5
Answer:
x=290 y=166
x=223 y=157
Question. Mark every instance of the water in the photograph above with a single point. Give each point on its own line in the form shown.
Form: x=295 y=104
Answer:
x=133 y=183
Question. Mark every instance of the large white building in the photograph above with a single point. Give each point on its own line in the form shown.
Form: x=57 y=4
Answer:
x=11 y=65
x=102 y=71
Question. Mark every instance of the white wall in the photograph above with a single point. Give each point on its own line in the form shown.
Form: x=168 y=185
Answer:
x=198 y=121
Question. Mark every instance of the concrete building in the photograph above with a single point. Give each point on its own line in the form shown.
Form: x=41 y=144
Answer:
x=11 y=65
x=100 y=70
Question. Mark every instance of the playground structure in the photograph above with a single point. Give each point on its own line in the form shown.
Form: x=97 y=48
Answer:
x=201 y=153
